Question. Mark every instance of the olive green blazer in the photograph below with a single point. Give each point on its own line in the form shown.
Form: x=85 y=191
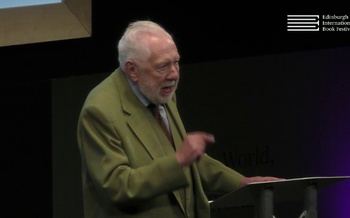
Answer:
x=129 y=168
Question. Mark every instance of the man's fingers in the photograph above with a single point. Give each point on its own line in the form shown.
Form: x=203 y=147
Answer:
x=207 y=137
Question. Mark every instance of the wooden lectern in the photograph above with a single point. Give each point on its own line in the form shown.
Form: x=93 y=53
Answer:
x=263 y=195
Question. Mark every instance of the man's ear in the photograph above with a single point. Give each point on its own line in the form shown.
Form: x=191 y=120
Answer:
x=131 y=71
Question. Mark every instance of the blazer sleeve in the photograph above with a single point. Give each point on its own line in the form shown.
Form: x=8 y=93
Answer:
x=217 y=177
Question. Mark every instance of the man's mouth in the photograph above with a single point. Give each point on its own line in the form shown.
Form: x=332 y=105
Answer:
x=167 y=89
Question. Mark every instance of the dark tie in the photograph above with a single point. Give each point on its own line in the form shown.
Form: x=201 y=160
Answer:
x=155 y=111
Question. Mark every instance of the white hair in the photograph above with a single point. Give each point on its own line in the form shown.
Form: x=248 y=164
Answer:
x=131 y=46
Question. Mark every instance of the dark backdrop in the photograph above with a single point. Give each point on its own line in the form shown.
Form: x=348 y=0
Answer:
x=213 y=32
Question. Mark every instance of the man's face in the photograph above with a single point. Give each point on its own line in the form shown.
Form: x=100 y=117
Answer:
x=157 y=76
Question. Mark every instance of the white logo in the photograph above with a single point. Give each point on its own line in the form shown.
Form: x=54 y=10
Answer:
x=303 y=22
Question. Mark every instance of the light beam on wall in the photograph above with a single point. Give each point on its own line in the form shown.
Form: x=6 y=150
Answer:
x=69 y=19
x=22 y=3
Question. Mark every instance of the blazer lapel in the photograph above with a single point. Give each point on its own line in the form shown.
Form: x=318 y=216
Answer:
x=148 y=130
x=179 y=133
x=174 y=114
x=143 y=128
